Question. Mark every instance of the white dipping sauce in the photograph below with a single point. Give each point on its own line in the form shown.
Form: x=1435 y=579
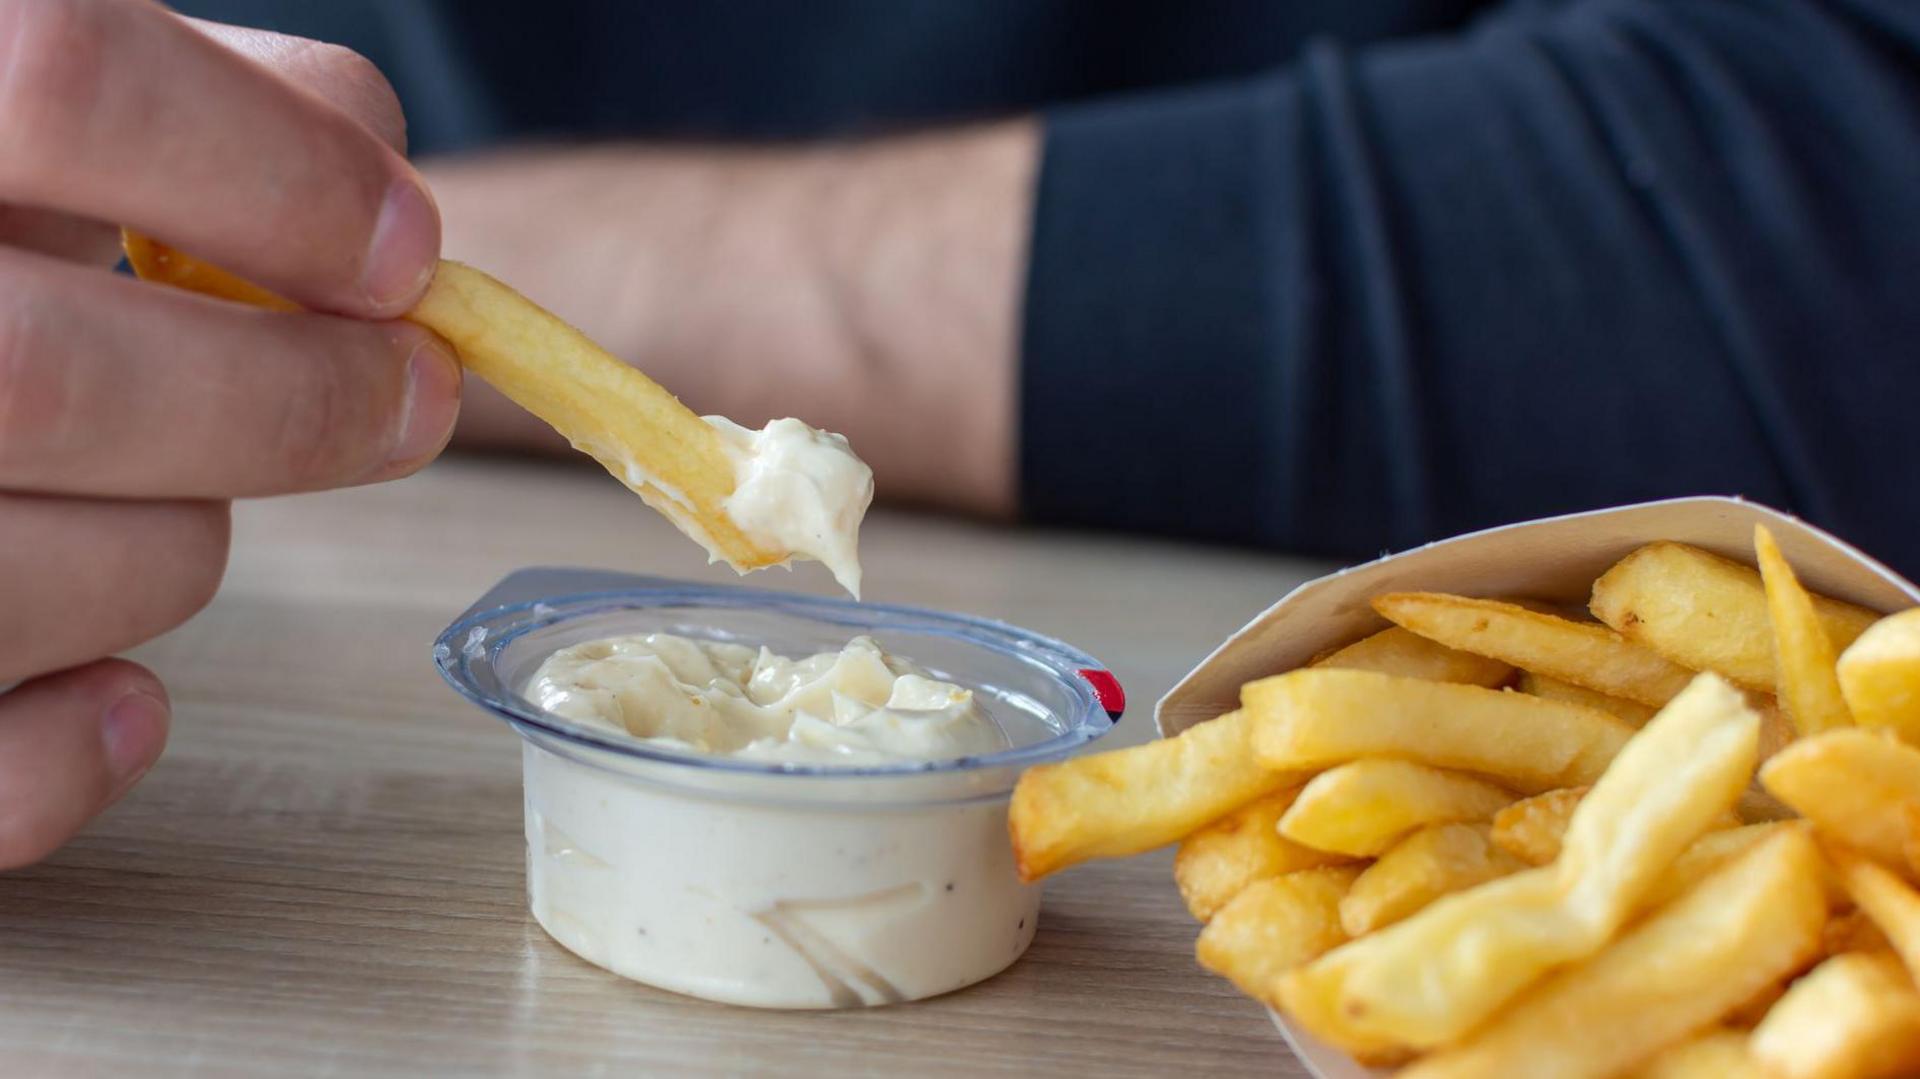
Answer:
x=813 y=903
x=855 y=706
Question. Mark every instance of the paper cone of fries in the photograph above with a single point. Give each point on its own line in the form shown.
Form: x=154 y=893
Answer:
x=1554 y=560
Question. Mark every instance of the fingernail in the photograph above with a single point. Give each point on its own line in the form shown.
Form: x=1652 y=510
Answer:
x=405 y=248
x=432 y=404
x=134 y=731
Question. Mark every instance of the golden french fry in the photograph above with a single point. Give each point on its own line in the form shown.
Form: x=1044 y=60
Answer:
x=1318 y=718
x=1854 y=931
x=1776 y=729
x=1708 y=854
x=155 y=261
x=1705 y=612
x=1632 y=713
x=1531 y=828
x=675 y=461
x=1715 y=1053
x=1856 y=1016
x=1218 y=861
x=1589 y=655
x=1126 y=801
x=1757 y=806
x=1396 y=651
x=1428 y=980
x=1275 y=924
x=1437 y=860
x=1363 y=807
x=1880 y=675
x=1910 y=838
x=1748 y=1013
x=1855 y=785
x=1890 y=902
x=1809 y=688
x=1682 y=968
x=1131 y=800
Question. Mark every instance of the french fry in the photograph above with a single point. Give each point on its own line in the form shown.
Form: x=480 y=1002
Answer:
x=1855 y=785
x=675 y=461
x=1585 y=654
x=1314 y=719
x=1890 y=902
x=1532 y=829
x=1428 y=980
x=1632 y=713
x=1856 y=1016
x=1880 y=675
x=1396 y=651
x=1715 y=1053
x=1363 y=807
x=1127 y=801
x=1708 y=854
x=1757 y=806
x=1748 y=1013
x=1705 y=612
x=1275 y=924
x=1910 y=838
x=1809 y=689
x=1437 y=860
x=1681 y=969
x=1107 y=805
x=1854 y=931
x=155 y=261
x=1218 y=861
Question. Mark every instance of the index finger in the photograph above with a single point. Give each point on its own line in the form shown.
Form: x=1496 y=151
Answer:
x=120 y=111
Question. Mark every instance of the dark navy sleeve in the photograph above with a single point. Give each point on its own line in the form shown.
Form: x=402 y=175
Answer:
x=1579 y=254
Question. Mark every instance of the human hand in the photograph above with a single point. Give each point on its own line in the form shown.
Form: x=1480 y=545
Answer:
x=130 y=414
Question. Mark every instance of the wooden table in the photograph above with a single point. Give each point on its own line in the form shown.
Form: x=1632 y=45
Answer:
x=324 y=874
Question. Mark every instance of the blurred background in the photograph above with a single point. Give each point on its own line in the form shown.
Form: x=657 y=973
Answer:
x=1324 y=277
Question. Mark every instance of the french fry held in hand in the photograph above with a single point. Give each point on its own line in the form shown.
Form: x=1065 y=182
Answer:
x=1317 y=718
x=1854 y=785
x=1880 y=675
x=1363 y=807
x=1428 y=980
x=1215 y=863
x=1584 y=654
x=1681 y=969
x=1132 y=800
x=1705 y=612
x=1809 y=688
x=675 y=461
x=1856 y=1016
x=1438 y=860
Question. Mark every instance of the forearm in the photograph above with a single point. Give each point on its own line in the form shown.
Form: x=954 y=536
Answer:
x=872 y=289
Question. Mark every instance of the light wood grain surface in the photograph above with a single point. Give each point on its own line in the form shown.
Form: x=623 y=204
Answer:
x=324 y=874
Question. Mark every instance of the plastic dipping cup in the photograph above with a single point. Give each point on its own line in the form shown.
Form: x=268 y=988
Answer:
x=774 y=885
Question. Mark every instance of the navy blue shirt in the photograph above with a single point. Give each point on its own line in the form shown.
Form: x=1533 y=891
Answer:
x=1332 y=275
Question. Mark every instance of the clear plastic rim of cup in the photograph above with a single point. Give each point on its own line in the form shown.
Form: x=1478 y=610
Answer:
x=471 y=643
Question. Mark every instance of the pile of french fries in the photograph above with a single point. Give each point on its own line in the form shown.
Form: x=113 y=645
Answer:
x=1677 y=838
